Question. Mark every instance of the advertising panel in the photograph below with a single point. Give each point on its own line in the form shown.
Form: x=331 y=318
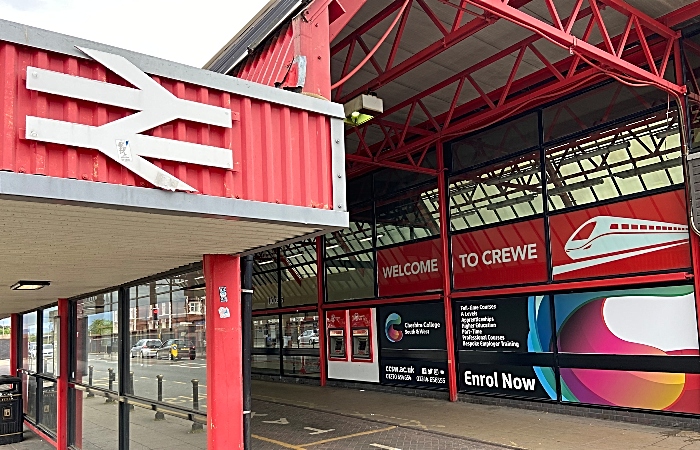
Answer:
x=641 y=235
x=521 y=381
x=506 y=255
x=410 y=269
x=677 y=392
x=413 y=345
x=518 y=324
x=654 y=321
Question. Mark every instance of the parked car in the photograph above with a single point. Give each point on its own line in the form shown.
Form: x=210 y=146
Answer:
x=308 y=337
x=32 y=350
x=176 y=349
x=47 y=351
x=146 y=348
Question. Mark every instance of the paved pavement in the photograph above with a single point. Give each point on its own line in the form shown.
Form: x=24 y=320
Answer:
x=511 y=427
x=31 y=442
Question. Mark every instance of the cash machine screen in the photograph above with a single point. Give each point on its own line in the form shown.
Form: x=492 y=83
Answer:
x=360 y=344
x=337 y=344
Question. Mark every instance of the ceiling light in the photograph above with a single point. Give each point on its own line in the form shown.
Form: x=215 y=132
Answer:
x=513 y=176
x=362 y=109
x=332 y=247
x=668 y=164
x=512 y=202
x=297 y=255
x=575 y=186
x=664 y=134
x=262 y=263
x=24 y=285
x=600 y=151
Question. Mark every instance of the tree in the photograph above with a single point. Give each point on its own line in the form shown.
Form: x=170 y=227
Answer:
x=100 y=327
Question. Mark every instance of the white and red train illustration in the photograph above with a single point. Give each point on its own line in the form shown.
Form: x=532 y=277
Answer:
x=605 y=239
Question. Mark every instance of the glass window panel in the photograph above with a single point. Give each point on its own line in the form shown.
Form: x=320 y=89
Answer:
x=357 y=237
x=29 y=387
x=300 y=330
x=496 y=143
x=608 y=102
x=408 y=216
x=167 y=324
x=173 y=433
x=47 y=403
x=359 y=189
x=637 y=156
x=388 y=182
x=350 y=277
x=5 y=331
x=266 y=345
x=299 y=285
x=96 y=422
x=29 y=336
x=97 y=341
x=265 y=293
x=496 y=193
x=51 y=346
x=303 y=252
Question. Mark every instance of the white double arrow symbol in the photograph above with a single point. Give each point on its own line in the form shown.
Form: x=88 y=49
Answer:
x=121 y=140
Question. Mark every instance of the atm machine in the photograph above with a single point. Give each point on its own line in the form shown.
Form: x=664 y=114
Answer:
x=335 y=326
x=361 y=331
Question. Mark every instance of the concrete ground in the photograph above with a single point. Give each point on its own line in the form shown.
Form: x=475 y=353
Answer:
x=495 y=425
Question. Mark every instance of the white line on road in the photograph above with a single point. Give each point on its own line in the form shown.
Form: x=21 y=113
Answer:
x=317 y=431
x=383 y=447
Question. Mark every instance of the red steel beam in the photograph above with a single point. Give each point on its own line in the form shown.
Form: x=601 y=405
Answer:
x=682 y=14
x=446 y=42
x=585 y=49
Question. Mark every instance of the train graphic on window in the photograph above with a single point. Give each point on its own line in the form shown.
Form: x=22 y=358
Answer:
x=605 y=239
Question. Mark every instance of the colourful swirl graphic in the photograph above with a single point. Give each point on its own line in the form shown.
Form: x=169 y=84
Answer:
x=393 y=334
x=658 y=322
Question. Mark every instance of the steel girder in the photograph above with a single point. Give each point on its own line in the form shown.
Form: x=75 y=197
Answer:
x=644 y=42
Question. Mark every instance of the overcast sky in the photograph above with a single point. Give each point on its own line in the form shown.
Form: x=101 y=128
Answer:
x=186 y=31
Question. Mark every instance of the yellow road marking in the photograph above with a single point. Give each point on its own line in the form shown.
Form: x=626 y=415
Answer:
x=340 y=438
x=281 y=444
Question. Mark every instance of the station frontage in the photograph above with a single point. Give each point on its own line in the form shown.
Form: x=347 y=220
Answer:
x=517 y=225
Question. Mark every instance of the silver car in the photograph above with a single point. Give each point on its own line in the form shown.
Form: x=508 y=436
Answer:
x=146 y=348
x=308 y=338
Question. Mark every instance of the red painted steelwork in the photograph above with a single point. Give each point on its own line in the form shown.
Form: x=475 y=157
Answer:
x=320 y=272
x=49 y=440
x=62 y=402
x=443 y=189
x=682 y=14
x=281 y=155
x=341 y=12
x=589 y=285
x=15 y=336
x=224 y=366
x=268 y=64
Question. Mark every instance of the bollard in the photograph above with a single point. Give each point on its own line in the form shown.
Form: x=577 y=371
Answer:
x=89 y=392
x=159 y=414
x=130 y=388
x=111 y=385
x=196 y=426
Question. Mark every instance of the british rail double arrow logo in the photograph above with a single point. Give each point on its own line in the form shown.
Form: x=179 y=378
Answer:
x=121 y=140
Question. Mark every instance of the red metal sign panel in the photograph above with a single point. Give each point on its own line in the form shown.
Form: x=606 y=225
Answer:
x=360 y=318
x=506 y=255
x=642 y=235
x=277 y=154
x=410 y=268
x=336 y=319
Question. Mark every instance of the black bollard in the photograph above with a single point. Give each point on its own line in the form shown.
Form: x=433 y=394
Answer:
x=196 y=426
x=111 y=385
x=159 y=414
x=130 y=388
x=89 y=392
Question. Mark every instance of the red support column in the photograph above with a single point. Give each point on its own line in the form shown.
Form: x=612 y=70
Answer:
x=63 y=376
x=222 y=274
x=446 y=281
x=320 y=270
x=15 y=337
x=311 y=39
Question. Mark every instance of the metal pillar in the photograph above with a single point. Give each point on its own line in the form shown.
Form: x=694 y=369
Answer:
x=247 y=326
x=62 y=401
x=224 y=387
x=443 y=202
x=15 y=343
x=320 y=273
